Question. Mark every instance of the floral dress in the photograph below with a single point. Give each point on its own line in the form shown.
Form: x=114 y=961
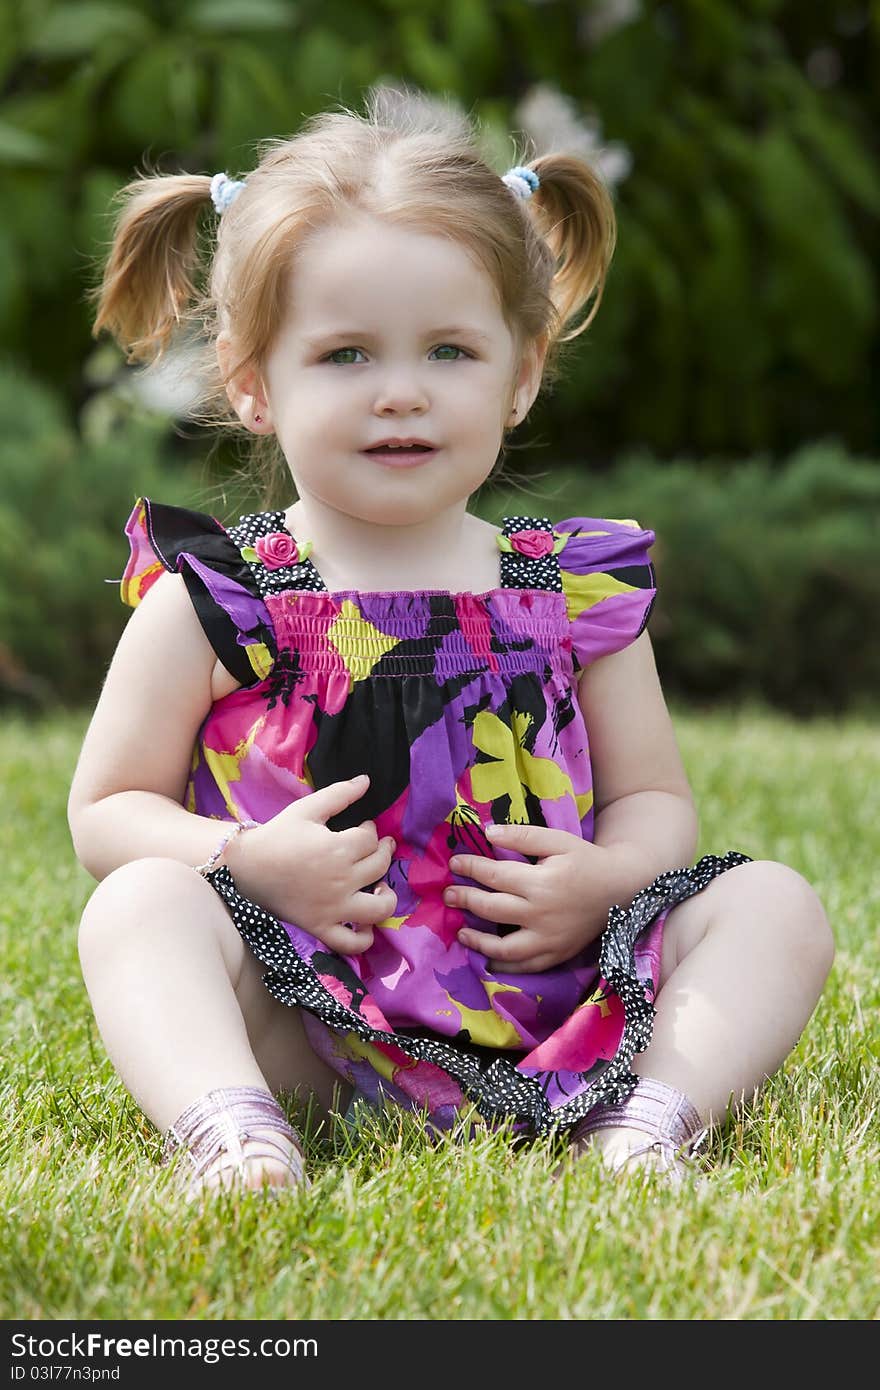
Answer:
x=463 y=709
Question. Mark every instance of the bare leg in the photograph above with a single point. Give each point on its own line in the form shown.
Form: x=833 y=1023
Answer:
x=744 y=963
x=178 y=997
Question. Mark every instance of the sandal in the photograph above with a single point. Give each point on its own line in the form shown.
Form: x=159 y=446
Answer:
x=237 y=1134
x=672 y=1124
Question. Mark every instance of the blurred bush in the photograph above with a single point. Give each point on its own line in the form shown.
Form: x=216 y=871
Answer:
x=768 y=578
x=768 y=574
x=739 y=140
x=63 y=505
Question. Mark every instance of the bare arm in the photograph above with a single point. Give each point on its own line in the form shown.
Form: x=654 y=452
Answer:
x=125 y=798
x=643 y=802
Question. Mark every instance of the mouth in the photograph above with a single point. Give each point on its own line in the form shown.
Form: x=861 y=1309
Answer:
x=401 y=455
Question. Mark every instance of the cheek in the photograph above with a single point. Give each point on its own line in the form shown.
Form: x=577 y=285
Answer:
x=309 y=412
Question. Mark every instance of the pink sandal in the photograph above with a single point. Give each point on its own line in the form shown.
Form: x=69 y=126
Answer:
x=672 y=1124
x=228 y=1129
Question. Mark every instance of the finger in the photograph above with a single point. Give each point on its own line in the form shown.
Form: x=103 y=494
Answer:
x=534 y=965
x=329 y=801
x=368 y=909
x=494 y=907
x=507 y=875
x=360 y=840
x=514 y=949
x=346 y=940
x=377 y=864
x=537 y=841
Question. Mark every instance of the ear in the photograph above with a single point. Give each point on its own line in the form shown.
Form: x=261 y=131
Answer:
x=245 y=389
x=528 y=379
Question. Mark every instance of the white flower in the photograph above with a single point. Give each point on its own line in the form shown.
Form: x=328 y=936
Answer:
x=614 y=163
x=606 y=16
x=554 y=123
x=170 y=386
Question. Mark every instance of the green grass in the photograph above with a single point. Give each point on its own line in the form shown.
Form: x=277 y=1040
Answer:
x=786 y=1226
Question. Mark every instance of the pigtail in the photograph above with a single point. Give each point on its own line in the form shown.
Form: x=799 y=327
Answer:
x=148 y=276
x=573 y=212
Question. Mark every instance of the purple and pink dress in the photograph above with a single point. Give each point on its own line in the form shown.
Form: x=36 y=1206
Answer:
x=463 y=709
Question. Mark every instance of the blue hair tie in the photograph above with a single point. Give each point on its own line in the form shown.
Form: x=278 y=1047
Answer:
x=224 y=191
x=521 y=181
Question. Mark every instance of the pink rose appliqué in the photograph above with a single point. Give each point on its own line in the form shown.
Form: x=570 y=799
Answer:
x=277 y=550
x=534 y=544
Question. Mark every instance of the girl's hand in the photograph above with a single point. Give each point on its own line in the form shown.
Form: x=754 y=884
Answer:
x=298 y=869
x=559 y=904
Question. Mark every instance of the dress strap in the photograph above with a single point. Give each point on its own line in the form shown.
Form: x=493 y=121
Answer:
x=276 y=560
x=530 y=554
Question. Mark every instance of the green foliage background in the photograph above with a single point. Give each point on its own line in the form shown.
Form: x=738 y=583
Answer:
x=739 y=321
x=742 y=308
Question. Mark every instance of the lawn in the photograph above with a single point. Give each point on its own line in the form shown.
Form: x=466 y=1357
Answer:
x=785 y=1224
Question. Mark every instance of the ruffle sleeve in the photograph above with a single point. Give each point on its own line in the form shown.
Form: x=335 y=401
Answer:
x=609 y=584
x=219 y=582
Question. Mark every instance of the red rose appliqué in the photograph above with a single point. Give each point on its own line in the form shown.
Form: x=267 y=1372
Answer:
x=534 y=544
x=277 y=550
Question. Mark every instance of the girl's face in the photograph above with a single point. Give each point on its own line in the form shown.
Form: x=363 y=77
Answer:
x=392 y=334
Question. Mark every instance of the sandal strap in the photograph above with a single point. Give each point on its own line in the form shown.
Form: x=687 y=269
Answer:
x=224 y=1120
x=671 y=1121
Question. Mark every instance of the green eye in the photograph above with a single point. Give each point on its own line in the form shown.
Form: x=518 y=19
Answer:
x=333 y=356
x=346 y=356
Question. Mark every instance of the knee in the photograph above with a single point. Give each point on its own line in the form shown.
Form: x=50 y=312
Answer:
x=796 y=912
x=126 y=901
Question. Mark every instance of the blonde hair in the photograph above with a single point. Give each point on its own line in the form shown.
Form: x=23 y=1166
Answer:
x=411 y=159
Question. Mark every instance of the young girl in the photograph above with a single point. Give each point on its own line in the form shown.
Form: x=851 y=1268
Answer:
x=384 y=800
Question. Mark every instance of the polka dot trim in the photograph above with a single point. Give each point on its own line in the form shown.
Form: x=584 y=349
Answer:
x=302 y=575
x=517 y=571
x=497 y=1089
x=521 y=571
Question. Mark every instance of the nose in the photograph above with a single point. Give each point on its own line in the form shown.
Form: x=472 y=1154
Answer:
x=400 y=393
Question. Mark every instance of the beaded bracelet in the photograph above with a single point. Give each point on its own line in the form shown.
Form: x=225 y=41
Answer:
x=236 y=829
